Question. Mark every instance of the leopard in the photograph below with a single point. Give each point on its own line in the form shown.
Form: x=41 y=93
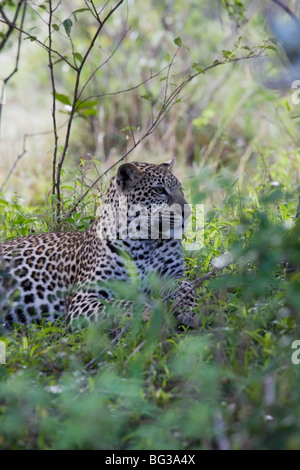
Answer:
x=68 y=274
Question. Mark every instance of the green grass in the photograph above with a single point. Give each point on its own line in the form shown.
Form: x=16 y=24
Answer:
x=229 y=384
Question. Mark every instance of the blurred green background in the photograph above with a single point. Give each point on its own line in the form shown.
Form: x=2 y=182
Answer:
x=226 y=117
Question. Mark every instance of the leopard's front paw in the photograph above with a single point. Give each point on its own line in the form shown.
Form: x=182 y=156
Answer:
x=188 y=319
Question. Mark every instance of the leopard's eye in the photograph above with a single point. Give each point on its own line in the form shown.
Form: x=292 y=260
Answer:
x=160 y=190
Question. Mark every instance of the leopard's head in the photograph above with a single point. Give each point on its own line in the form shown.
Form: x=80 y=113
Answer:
x=156 y=206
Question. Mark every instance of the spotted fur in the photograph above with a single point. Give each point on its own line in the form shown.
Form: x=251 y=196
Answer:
x=66 y=274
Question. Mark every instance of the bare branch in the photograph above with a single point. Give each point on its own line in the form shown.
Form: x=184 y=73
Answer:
x=10 y=26
x=75 y=99
x=125 y=90
x=99 y=67
x=19 y=47
x=40 y=43
x=53 y=111
x=5 y=81
x=24 y=151
x=15 y=163
x=287 y=9
x=93 y=10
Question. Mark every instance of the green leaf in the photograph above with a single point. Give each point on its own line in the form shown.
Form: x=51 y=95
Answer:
x=62 y=98
x=32 y=38
x=25 y=343
x=78 y=56
x=287 y=105
x=67 y=24
x=178 y=41
x=197 y=67
x=275 y=195
x=147 y=97
x=86 y=108
x=80 y=10
x=272 y=48
x=89 y=112
x=28 y=221
x=55 y=26
x=60 y=59
x=226 y=54
x=85 y=104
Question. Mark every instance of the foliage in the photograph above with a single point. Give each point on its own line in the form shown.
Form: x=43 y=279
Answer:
x=229 y=384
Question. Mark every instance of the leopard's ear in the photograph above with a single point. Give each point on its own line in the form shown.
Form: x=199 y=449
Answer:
x=128 y=175
x=169 y=164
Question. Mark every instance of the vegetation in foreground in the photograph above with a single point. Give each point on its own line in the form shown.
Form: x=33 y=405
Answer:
x=229 y=384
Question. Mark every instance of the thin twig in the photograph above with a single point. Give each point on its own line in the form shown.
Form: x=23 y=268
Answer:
x=19 y=47
x=74 y=102
x=18 y=158
x=93 y=10
x=125 y=90
x=168 y=74
x=287 y=9
x=53 y=111
x=10 y=27
x=13 y=167
x=6 y=80
x=98 y=68
x=131 y=131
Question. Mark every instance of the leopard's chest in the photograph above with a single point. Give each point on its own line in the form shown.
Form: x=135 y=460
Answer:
x=122 y=259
